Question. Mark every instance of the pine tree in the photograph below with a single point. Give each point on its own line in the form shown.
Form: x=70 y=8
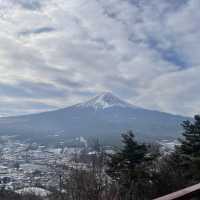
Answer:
x=190 y=145
x=127 y=167
x=127 y=158
x=189 y=150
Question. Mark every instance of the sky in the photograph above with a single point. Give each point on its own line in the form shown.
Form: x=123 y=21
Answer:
x=55 y=53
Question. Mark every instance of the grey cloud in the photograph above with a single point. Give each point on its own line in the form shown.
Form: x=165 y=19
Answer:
x=168 y=93
x=102 y=42
x=36 y=31
x=69 y=83
x=12 y=91
x=29 y=4
x=22 y=107
x=129 y=47
x=41 y=90
x=30 y=90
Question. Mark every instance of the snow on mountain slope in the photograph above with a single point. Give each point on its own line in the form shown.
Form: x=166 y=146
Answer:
x=105 y=100
x=105 y=116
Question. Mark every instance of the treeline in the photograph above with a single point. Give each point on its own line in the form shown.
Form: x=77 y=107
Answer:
x=134 y=172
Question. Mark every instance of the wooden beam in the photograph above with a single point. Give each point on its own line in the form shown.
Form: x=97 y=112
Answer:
x=184 y=194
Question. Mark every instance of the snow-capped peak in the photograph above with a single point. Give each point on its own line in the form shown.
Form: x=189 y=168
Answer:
x=105 y=100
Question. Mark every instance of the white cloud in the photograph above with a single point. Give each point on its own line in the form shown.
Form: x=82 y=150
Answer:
x=177 y=92
x=79 y=48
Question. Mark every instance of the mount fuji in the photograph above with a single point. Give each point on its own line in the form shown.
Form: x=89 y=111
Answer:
x=103 y=101
x=105 y=116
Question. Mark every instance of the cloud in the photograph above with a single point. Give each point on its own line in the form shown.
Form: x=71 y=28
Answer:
x=177 y=91
x=29 y=4
x=55 y=53
x=36 y=31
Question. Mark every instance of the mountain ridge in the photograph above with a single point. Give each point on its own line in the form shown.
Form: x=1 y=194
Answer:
x=86 y=104
x=105 y=116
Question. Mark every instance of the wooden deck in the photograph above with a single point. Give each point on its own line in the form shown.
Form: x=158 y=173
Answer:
x=184 y=194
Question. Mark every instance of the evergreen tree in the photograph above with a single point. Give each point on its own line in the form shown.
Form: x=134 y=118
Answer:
x=127 y=167
x=189 y=150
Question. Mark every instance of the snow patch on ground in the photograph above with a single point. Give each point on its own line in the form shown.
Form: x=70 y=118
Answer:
x=34 y=190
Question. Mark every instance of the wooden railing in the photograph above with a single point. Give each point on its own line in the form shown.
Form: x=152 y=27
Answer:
x=184 y=194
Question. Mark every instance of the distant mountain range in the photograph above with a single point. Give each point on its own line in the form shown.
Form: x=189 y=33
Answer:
x=104 y=116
